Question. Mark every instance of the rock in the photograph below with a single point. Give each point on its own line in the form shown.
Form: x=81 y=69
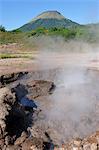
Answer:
x=8 y=78
x=90 y=143
x=75 y=148
x=34 y=88
x=40 y=88
x=20 y=91
x=21 y=139
x=8 y=140
x=28 y=103
x=94 y=146
x=1 y=85
x=1 y=143
x=77 y=142
x=71 y=146
x=97 y=136
x=26 y=93
x=38 y=132
x=87 y=146
x=32 y=144
x=33 y=147
x=13 y=147
x=13 y=120
x=7 y=100
x=4 y=147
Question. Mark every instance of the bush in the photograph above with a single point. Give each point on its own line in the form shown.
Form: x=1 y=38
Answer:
x=2 y=29
x=16 y=31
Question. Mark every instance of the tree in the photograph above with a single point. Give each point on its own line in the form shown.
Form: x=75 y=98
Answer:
x=2 y=28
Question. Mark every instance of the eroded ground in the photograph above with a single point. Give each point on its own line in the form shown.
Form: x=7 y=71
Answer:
x=50 y=102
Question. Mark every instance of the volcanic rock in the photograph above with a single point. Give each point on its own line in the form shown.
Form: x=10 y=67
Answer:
x=8 y=78
x=13 y=120
x=40 y=88
x=34 y=88
x=32 y=144
x=7 y=100
x=21 y=139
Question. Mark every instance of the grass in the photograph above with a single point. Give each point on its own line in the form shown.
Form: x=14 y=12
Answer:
x=79 y=33
x=11 y=37
x=85 y=33
x=20 y=38
x=22 y=55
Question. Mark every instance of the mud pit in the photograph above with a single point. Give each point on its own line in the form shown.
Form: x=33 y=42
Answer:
x=53 y=106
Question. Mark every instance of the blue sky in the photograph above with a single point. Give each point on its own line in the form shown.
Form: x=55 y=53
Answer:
x=15 y=13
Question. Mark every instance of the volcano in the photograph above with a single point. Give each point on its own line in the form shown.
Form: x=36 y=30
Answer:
x=48 y=19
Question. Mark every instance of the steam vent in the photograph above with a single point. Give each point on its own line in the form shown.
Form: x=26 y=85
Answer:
x=36 y=115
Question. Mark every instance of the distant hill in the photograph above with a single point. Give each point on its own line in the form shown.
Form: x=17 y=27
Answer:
x=48 y=19
x=51 y=23
x=95 y=25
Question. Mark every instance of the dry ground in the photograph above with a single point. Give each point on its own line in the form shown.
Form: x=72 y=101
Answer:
x=52 y=60
x=49 y=60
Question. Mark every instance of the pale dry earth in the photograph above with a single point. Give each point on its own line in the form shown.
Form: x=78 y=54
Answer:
x=49 y=60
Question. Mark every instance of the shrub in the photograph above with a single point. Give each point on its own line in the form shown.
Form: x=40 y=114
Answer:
x=2 y=29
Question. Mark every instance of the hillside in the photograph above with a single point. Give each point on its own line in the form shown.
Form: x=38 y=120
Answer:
x=50 y=23
x=48 y=19
x=85 y=33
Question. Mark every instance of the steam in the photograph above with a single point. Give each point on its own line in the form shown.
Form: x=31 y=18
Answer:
x=71 y=111
x=59 y=44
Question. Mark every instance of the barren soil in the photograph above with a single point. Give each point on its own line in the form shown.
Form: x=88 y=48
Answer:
x=49 y=60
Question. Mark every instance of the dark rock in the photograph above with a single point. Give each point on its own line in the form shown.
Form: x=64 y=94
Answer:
x=8 y=78
x=17 y=121
x=34 y=88
x=8 y=140
x=20 y=91
x=26 y=102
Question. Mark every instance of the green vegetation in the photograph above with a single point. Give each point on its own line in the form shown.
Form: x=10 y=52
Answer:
x=66 y=33
x=85 y=33
x=11 y=37
x=43 y=24
x=8 y=55
x=2 y=29
x=16 y=31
